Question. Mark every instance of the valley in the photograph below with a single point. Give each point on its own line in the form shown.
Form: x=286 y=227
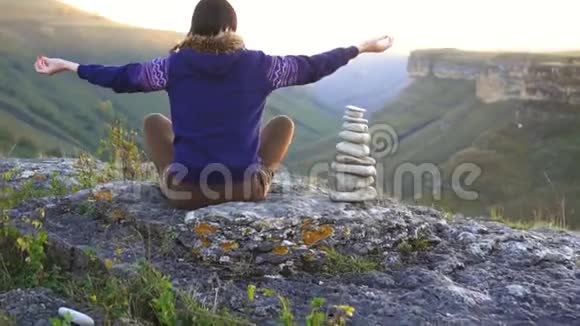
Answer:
x=515 y=116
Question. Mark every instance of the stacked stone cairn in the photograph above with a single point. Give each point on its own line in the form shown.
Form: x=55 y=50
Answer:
x=353 y=171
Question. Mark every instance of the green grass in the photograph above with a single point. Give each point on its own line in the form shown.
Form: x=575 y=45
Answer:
x=417 y=245
x=338 y=263
x=147 y=295
x=539 y=221
x=318 y=315
x=5 y=320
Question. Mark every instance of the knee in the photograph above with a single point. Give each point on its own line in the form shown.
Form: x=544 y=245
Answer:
x=154 y=120
x=284 y=122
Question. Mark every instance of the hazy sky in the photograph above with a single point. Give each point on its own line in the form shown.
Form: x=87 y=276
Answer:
x=295 y=26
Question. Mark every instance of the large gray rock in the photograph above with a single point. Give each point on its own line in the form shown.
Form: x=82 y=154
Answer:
x=431 y=270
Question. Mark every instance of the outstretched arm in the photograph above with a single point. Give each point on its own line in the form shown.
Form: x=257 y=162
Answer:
x=300 y=70
x=135 y=77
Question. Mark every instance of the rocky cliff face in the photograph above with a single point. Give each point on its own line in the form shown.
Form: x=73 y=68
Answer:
x=500 y=77
x=430 y=269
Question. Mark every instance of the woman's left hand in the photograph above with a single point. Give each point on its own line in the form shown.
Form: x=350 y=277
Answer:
x=51 y=66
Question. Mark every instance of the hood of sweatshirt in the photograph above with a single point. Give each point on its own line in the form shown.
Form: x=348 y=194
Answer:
x=211 y=56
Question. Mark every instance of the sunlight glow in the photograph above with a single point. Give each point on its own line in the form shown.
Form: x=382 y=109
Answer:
x=284 y=26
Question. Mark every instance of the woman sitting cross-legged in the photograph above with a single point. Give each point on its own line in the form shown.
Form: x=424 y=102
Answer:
x=213 y=150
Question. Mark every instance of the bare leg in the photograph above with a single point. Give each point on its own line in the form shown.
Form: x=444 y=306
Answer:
x=158 y=134
x=275 y=140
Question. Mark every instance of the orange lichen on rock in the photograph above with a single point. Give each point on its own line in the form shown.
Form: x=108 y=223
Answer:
x=312 y=236
x=205 y=242
x=204 y=229
x=103 y=195
x=228 y=246
x=118 y=215
x=281 y=250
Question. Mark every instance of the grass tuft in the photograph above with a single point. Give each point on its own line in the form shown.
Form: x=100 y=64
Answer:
x=5 y=319
x=539 y=221
x=338 y=263
x=410 y=246
x=319 y=312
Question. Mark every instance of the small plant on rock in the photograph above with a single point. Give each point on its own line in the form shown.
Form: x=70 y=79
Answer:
x=88 y=173
x=62 y=321
x=317 y=315
x=10 y=174
x=33 y=248
x=57 y=186
x=410 y=246
x=338 y=263
x=5 y=320
x=22 y=259
x=122 y=151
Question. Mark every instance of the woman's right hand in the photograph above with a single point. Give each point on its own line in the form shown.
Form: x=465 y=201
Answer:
x=51 y=66
x=377 y=45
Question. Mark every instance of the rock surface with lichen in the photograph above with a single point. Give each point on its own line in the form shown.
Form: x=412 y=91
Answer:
x=427 y=268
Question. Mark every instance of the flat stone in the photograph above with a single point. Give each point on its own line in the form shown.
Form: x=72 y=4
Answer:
x=360 y=170
x=356 y=150
x=347 y=159
x=355 y=109
x=345 y=182
x=356 y=115
x=78 y=318
x=355 y=120
x=361 y=195
x=356 y=127
x=355 y=137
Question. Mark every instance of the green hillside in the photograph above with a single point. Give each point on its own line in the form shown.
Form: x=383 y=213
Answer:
x=312 y=120
x=59 y=115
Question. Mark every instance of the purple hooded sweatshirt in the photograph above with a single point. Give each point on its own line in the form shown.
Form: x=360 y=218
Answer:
x=217 y=100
